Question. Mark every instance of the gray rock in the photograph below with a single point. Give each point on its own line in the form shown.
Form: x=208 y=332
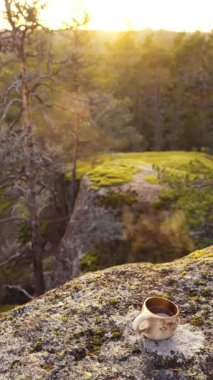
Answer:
x=83 y=330
x=186 y=342
x=93 y=223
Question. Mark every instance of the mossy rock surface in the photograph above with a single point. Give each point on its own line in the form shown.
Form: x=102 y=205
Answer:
x=83 y=330
x=115 y=166
x=153 y=206
x=116 y=199
x=186 y=178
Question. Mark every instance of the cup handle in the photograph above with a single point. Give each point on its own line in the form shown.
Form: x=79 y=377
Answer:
x=140 y=318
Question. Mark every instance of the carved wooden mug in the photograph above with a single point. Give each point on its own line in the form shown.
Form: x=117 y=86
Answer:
x=158 y=319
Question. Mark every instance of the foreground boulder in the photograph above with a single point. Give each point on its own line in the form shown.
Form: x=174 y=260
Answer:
x=83 y=330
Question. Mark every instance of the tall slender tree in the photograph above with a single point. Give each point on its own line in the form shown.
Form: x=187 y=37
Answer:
x=23 y=20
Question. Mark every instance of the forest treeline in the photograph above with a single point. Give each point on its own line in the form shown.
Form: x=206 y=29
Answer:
x=149 y=92
x=168 y=85
x=71 y=94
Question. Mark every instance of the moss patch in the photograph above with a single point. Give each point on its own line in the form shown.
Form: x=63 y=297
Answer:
x=115 y=199
x=112 y=173
x=89 y=262
x=151 y=179
x=197 y=320
x=5 y=308
x=201 y=253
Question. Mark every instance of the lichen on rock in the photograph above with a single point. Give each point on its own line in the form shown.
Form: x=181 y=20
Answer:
x=83 y=330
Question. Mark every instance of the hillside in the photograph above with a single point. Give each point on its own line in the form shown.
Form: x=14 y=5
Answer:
x=82 y=330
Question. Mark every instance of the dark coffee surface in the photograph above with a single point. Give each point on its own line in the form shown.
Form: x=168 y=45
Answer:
x=161 y=310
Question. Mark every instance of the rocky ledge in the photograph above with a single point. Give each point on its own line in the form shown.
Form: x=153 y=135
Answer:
x=82 y=330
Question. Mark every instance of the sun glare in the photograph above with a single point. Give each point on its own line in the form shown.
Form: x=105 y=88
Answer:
x=113 y=15
x=59 y=12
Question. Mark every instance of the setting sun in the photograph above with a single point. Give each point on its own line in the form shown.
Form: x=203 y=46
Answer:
x=113 y=15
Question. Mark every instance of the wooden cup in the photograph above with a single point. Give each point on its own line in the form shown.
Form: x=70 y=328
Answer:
x=158 y=319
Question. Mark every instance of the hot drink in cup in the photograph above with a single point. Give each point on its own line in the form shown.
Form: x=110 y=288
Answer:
x=158 y=319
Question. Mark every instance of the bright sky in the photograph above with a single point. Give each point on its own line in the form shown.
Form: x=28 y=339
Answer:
x=178 y=15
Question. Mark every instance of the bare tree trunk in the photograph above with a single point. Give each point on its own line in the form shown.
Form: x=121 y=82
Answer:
x=30 y=171
x=74 y=185
x=158 y=125
x=157 y=115
x=24 y=20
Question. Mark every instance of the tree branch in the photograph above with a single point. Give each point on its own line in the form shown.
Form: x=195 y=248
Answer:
x=16 y=120
x=12 y=219
x=19 y=289
x=16 y=100
x=12 y=258
x=8 y=4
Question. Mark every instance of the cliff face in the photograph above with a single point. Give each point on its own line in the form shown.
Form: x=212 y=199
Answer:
x=138 y=207
x=83 y=330
x=98 y=228
x=90 y=224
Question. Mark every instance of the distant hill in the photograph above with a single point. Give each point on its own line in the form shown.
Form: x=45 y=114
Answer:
x=101 y=38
